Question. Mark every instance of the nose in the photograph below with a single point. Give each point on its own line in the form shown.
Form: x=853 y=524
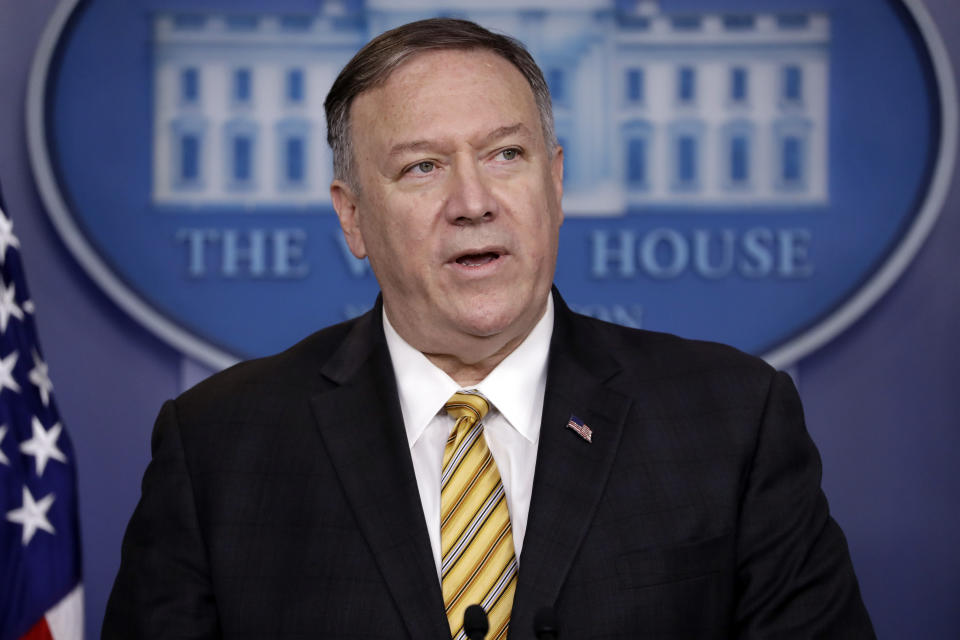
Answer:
x=469 y=199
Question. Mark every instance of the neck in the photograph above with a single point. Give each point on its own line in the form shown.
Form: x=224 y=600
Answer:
x=467 y=359
x=468 y=372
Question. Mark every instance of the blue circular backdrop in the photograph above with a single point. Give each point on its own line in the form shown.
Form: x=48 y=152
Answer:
x=884 y=132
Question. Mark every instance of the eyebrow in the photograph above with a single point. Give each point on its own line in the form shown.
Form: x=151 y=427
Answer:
x=420 y=145
x=406 y=147
x=502 y=132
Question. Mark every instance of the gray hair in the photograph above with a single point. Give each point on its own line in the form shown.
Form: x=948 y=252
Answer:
x=373 y=64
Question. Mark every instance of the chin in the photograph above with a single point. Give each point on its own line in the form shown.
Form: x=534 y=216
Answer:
x=491 y=321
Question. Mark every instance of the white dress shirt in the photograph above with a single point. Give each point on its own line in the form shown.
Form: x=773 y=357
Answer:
x=512 y=427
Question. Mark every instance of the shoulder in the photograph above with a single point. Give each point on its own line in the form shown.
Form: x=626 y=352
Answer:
x=672 y=376
x=703 y=395
x=297 y=370
x=657 y=354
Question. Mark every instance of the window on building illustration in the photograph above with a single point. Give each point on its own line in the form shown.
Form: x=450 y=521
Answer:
x=686 y=23
x=636 y=90
x=738 y=22
x=634 y=22
x=637 y=162
x=637 y=149
x=792 y=83
x=186 y=151
x=295 y=88
x=189 y=158
x=685 y=154
x=294 y=153
x=686 y=169
x=190 y=85
x=557 y=81
x=242 y=22
x=189 y=21
x=242 y=159
x=739 y=160
x=791 y=162
x=739 y=88
x=686 y=84
x=737 y=155
x=242 y=85
x=789 y=21
x=791 y=153
x=352 y=21
x=296 y=22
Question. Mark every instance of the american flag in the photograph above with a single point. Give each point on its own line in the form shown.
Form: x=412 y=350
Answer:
x=583 y=430
x=41 y=595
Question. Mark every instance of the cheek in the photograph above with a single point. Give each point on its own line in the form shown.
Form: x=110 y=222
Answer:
x=397 y=238
x=405 y=213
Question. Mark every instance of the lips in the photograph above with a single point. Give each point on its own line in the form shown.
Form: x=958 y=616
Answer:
x=478 y=259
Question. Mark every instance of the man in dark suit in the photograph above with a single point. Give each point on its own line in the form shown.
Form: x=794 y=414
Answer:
x=650 y=487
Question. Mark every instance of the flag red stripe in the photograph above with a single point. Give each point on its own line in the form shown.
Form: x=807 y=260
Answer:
x=39 y=631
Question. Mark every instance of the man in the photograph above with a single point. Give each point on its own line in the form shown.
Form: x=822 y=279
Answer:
x=640 y=485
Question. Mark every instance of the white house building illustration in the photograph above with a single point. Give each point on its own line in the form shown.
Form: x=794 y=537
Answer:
x=654 y=109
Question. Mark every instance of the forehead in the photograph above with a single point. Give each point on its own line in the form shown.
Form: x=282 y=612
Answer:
x=418 y=69
x=443 y=88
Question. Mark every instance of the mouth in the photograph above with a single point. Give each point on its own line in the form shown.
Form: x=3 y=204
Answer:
x=479 y=259
x=476 y=258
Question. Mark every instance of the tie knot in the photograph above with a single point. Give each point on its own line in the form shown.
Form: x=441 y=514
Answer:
x=470 y=405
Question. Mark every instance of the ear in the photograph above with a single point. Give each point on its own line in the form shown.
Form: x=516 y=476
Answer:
x=556 y=174
x=345 y=203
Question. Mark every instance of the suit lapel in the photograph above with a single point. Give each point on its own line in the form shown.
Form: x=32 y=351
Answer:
x=361 y=425
x=360 y=422
x=571 y=473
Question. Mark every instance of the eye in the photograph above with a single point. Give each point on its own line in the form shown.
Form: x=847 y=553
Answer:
x=510 y=154
x=422 y=167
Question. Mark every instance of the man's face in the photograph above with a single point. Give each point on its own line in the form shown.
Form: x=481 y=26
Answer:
x=459 y=199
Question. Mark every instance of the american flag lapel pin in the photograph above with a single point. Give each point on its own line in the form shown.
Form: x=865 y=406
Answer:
x=582 y=430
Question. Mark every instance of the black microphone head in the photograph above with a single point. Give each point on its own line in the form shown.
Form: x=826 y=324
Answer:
x=545 y=624
x=475 y=623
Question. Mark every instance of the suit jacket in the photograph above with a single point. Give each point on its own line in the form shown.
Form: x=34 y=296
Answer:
x=281 y=501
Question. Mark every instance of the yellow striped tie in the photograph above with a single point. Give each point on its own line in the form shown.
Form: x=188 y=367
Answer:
x=478 y=565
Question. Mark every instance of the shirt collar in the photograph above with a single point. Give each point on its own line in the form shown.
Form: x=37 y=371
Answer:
x=515 y=387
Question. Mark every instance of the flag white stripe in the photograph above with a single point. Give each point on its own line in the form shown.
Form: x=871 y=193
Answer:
x=65 y=619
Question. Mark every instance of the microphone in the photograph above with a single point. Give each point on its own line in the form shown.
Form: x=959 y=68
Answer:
x=475 y=623
x=545 y=624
